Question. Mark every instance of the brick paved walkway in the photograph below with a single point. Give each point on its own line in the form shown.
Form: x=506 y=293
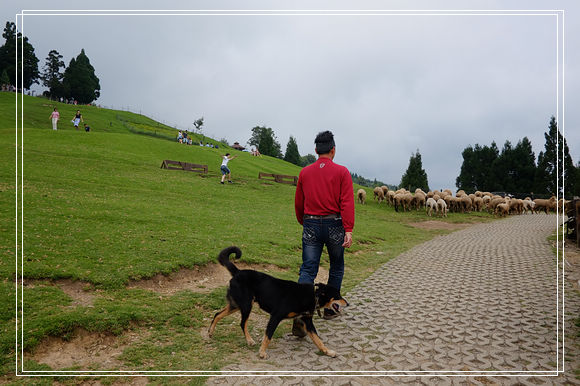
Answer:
x=479 y=299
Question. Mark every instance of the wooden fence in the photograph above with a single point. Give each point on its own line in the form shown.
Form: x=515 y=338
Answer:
x=279 y=178
x=178 y=165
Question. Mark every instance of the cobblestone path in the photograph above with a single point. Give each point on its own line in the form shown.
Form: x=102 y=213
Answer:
x=476 y=302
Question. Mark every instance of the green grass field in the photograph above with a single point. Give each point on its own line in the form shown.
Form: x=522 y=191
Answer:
x=97 y=208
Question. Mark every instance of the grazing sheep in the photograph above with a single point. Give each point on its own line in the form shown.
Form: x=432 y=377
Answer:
x=419 y=190
x=436 y=197
x=460 y=193
x=486 y=200
x=442 y=207
x=447 y=192
x=378 y=194
x=478 y=203
x=404 y=200
x=465 y=204
x=502 y=209
x=385 y=190
x=516 y=206
x=430 y=194
x=545 y=205
x=419 y=199
x=391 y=197
x=361 y=194
x=494 y=202
x=430 y=205
x=528 y=204
x=478 y=194
x=454 y=204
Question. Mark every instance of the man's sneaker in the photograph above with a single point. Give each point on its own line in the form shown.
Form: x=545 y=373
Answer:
x=231 y=182
x=298 y=328
x=222 y=182
x=329 y=314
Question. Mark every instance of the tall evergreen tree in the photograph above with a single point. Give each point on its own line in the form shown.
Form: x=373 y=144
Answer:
x=80 y=81
x=265 y=140
x=52 y=77
x=292 y=155
x=503 y=169
x=476 y=169
x=555 y=165
x=4 y=79
x=27 y=60
x=524 y=166
x=415 y=176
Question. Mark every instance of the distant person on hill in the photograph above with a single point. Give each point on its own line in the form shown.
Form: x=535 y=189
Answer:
x=77 y=119
x=224 y=168
x=87 y=128
x=324 y=206
x=55 y=116
x=179 y=136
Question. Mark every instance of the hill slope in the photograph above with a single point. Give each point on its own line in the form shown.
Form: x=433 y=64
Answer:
x=97 y=208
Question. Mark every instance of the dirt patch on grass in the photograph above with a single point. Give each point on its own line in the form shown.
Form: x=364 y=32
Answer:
x=435 y=225
x=86 y=350
x=199 y=279
x=81 y=293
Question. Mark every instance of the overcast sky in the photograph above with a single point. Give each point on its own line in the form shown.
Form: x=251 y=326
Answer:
x=386 y=85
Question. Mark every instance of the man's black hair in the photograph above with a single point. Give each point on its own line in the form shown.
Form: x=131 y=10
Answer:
x=324 y=142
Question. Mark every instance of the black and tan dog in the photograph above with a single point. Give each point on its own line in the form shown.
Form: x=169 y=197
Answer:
x=282 y=299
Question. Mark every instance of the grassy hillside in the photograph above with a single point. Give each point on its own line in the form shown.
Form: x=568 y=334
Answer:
x=98 y=208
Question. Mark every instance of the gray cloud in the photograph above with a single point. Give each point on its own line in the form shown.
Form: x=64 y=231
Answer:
x=386 y=85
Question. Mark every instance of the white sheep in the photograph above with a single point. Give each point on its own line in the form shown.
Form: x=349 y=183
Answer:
x=442 y=207
x=430 y=205
x=361 y=194
x=378 y=194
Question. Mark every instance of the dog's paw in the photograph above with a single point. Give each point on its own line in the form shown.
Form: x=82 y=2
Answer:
x=331 y=353
x=263 y=355
x=251 y=342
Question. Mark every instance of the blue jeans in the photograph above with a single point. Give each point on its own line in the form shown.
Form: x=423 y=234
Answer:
x=316 y=234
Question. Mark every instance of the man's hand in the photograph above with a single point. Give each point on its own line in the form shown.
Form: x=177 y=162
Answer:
x=347 y=239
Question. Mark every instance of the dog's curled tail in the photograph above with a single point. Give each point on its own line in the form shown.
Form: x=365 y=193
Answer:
x=224 y=258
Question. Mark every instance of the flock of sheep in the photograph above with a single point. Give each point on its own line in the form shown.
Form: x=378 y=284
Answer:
x=445 y=201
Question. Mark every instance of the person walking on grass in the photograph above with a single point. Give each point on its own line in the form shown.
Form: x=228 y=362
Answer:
x=224 y=168
x=77 y=119
x=55 y=116
x=324 y=206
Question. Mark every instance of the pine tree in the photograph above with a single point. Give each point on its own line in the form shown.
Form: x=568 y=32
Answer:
x=265 y=140
x=52 y=77
x=27 y=60
x=292 y=155
x=476 y=169
x=4 y=79
x=415 y=176
x=80 y=81
x=555 y=165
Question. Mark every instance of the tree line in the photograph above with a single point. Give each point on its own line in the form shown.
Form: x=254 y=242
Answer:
x=515 y=169
x=78 y=81
x=265 y=140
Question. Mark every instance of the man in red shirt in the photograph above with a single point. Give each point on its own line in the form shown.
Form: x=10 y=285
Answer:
x=324 y=205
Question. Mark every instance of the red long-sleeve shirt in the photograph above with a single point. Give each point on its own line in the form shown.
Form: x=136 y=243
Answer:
x=325 y=188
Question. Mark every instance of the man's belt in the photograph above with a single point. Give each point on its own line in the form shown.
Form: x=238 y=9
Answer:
x=326 y=216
